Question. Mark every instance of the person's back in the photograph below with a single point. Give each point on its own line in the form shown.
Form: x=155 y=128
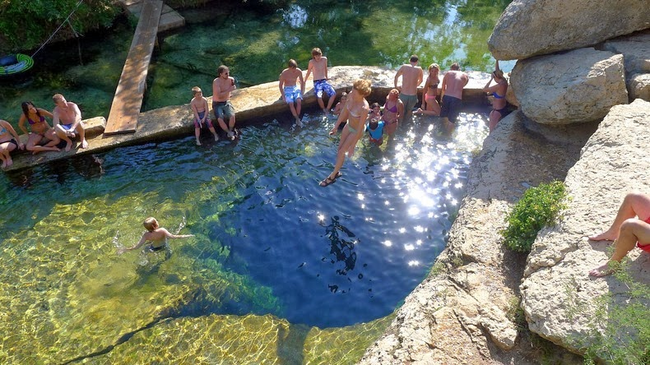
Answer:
x=454 y=82
x=412 y=75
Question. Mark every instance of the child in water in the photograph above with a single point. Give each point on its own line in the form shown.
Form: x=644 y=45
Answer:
x=156 y=235
x=200 y=110
x=339 y=106
x=375 y=127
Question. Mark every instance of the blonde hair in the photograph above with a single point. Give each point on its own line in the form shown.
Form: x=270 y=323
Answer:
x=150 y=224
x=362 y=86
x=57 y=98
x=196 y=90
x=434 y=65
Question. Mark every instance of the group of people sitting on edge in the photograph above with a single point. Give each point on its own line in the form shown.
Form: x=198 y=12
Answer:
x=66 y=125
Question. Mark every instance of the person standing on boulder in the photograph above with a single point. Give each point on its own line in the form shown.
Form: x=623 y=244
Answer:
x=630 y=228
x=412 y=76
x=452 y=94
x=222 y=86
x=498 y=92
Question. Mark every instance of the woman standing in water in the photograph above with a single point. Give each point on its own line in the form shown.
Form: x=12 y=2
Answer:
x=393 y=111
x=498 y=92
x=430 y=105
x=40 y=128
x=355 y=112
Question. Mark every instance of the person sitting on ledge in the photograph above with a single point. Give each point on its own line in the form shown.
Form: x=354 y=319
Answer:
x=70 y=116
x=9 y=141
x=630 y=227
x=40 y=128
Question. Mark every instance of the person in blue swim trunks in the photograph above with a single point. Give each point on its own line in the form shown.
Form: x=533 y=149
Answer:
x=289 y=89
x=200 y=110
x=318 y=65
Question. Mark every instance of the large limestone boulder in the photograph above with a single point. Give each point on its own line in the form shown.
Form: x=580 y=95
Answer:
x=535 y=27
x=636 y=52
x=574 y=87
x=561 y=302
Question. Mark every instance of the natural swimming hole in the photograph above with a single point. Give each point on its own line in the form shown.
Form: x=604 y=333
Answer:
x=268 y=239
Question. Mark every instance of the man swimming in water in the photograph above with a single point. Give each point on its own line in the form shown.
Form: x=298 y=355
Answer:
x=156 y=235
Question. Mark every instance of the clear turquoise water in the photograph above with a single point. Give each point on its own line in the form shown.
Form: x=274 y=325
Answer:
x=267 y=239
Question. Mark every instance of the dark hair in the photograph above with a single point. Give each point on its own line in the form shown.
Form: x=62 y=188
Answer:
x=374 y=105
x=25 y=105
x=221 y=69
x=414 y=58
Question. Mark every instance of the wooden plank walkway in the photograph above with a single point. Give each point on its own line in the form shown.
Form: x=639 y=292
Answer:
x=127 y=102
x=170 y=19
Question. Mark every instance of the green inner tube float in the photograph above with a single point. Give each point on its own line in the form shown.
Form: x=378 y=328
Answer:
x=21 y=63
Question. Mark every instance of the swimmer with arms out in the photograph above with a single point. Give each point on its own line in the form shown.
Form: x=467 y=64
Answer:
x=156 y=235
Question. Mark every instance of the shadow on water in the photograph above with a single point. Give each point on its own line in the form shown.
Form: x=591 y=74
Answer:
x=342 y=248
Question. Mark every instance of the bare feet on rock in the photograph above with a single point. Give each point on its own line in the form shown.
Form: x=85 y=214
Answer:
x=602 y=270
x=605 y=236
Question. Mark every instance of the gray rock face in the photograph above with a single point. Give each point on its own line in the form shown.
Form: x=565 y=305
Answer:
x=535 y=27
x=559 y=299
x=575 y=87
x=636 y=52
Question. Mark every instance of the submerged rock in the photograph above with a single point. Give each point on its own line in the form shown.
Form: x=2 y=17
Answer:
x=535 y=27
x=574 y=87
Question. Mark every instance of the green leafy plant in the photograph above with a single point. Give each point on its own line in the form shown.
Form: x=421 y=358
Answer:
x=620 y=329
x=538 y=207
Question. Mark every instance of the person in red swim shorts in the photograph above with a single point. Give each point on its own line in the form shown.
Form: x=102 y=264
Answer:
x=630 y=228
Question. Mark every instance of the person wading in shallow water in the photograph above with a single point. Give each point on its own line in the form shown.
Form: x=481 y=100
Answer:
x=630 y=227
x=355 y=112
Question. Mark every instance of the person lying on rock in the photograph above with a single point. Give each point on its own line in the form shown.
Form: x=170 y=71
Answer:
x=630 y=227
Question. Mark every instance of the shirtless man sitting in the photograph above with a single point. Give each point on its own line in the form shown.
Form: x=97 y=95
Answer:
x=69 y=116
x=289 y=91
x=412 y=76
x=318 y=65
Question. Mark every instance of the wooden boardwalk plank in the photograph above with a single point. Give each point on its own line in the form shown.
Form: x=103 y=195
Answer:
x=127 y=102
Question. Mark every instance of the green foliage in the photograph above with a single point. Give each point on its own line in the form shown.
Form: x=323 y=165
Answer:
x=538 y=207
x=28 y=24
x=624 y=334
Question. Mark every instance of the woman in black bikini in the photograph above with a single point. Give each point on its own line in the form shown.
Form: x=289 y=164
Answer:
x=40 y=128
x=430 y=105
x=9 y=141
x=498 y=92
x=393 y=110
x=355 y=112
